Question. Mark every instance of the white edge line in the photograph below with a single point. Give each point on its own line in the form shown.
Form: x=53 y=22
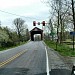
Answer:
x=47 y=62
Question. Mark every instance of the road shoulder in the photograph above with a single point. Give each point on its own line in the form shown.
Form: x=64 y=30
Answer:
x=58 y=61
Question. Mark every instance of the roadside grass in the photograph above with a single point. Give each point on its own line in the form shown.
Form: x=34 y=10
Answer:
x=5 y=48
x=1 y=48
x=63 y=49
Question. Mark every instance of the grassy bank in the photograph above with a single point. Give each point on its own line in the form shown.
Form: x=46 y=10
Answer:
x=63 y=49
x=5 y=48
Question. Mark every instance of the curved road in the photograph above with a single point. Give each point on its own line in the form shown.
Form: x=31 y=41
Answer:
x=31 y=59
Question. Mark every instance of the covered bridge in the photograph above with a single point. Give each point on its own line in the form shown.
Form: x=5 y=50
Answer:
x=36 y=31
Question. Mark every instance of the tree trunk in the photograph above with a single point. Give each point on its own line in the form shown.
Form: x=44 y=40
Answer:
x=73 y=14
x=61 y=34
x=58 y=28
x=73 y=21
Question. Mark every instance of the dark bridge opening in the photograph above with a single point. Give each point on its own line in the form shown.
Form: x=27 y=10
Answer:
x=36 y=31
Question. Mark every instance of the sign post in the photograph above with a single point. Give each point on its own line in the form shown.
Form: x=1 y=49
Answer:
x=73 y=34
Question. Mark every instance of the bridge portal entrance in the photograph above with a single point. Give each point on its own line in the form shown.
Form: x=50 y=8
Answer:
x=36 y=31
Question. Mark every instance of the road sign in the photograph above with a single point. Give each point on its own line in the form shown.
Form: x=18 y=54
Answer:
x=52 y=33
x=72 y=33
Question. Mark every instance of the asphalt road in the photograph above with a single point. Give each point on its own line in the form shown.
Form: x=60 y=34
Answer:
x=31 y=59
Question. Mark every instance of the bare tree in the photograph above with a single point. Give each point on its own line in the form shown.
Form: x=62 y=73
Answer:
x=50 y=28
x=19 y=24
x=60 y=8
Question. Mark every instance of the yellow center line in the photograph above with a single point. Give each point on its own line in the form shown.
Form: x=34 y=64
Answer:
x=12 y=58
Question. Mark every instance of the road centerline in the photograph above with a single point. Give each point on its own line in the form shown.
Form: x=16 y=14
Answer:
x=12 y=58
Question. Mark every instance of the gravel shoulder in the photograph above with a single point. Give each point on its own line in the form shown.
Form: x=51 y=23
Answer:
x=58 y=64
x=56 y=61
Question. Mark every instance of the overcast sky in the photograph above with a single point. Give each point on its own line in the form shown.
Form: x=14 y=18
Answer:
x=31 y=10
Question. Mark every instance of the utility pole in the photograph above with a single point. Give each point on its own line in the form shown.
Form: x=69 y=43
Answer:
x=73 y=20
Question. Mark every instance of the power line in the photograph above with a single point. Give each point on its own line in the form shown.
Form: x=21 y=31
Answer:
x=20 y=15
x=16 y=14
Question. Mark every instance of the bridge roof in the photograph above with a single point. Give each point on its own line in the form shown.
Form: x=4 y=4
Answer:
x=36 y=29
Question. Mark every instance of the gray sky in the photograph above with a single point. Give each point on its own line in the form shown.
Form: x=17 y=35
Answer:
x=29 y=10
